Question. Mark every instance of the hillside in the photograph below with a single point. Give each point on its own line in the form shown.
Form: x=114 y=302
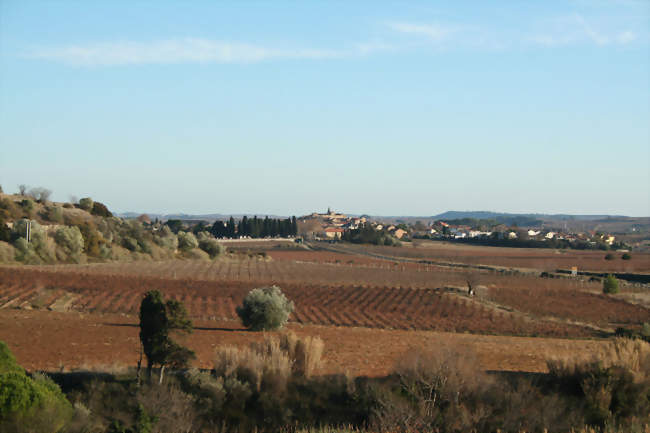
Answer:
x=37 y=231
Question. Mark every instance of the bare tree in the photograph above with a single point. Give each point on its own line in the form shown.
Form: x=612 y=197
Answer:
x=40 y=194
x=22 y=189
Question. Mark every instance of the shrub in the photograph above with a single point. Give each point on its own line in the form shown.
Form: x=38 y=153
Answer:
x=212 y=247
x=187 y=241
x=28 y=207
x=609 y=256
x=264 y=309
x=29 y=404
x=614 y=384
x=260 y=366
x=305 y=353
x=86 y=204
x=100 y=209
x=610 y=285
x=71 y=241
x=54 y=214
x=25 y=252
x=166 y=238
x=626 y=256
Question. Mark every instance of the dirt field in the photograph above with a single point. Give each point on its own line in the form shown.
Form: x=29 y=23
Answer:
x=534 y=258
x=368 y=311
x=376 y=307
x=46 y=340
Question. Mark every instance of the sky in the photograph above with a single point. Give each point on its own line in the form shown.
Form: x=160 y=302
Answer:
x=383 y=108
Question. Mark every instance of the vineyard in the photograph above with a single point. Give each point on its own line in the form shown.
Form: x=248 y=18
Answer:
x=118 y=289
x=533 y=258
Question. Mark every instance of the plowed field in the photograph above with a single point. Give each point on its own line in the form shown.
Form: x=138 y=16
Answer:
x=67 y=289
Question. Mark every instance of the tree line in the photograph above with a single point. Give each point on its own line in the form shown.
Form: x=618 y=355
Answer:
x=255 y=227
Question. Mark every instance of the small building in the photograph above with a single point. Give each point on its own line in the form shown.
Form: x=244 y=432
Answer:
x=399 y=233
x=333 y=232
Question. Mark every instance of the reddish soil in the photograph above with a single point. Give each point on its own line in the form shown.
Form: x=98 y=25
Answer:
x=544 y=259
x=376 y=307
x=46 y=340
x=578 y=305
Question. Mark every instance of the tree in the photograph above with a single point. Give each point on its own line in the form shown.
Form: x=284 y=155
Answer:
x=174 y=225
x=22 y=189
x=158 y=319
x=626 y=256
x=40 y=194
x=610 y=285
x=265 y=309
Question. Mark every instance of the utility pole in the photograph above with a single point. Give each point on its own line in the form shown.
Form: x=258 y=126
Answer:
x=29 y=230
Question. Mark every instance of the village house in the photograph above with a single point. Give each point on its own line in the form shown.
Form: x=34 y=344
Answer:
x=333 y=233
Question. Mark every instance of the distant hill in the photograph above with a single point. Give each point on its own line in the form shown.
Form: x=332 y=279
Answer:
x=501 y=215
x=190 y=217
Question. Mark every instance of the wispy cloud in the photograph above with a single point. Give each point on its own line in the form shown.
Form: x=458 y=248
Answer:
x=186 y=50
x=433 y=32
x=575 y=29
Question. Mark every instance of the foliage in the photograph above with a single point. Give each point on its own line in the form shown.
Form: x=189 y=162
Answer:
x=187 y=241
x=610 y=284
x=54 y=214
x=264 y=309
x=28 y=207
x=86 y=204
x=255 y=227
x=174 y=225
x=9 y=210
x=38 y=250
x=609 y=256
x=366 y=234
x=29 y=404
x=212 y=247
x=626 y=256
x=158 y=319
x=100 y=209
x=71 y=241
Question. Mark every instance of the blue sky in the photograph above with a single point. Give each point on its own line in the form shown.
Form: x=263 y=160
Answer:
x=388 y=108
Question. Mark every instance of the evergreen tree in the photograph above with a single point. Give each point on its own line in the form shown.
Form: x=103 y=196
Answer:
x=157 y=320
x=294 y=226
x=231 y=228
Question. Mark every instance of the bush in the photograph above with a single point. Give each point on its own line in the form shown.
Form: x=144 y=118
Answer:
x=29 y=404
x=609 y=256
x=265 y=309
x=166 y=238
x=212 y=247
x=54 y=214
x=86 y=204
x=100 y=209
x=626 y=256
x=610 y=285
x=71 y=241
x=187 y=241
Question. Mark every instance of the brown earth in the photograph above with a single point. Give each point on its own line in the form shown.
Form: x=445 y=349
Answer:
x=72 y=288
x=46 y=340
x=543 y=259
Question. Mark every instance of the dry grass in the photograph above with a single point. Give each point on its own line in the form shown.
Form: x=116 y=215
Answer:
x=631 y=355
x=271 y=360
